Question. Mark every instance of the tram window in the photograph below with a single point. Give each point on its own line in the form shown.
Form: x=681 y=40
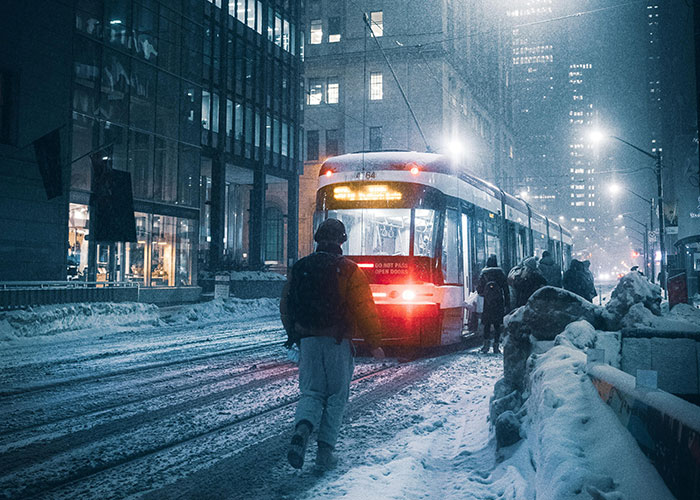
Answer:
x=375 y=231
x=425 y=229
x=493 y=245
x=450 y=248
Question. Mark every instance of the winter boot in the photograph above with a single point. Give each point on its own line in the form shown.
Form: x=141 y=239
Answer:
x=325 y=458
x=496 y=350
x=487 y=344
x=297 y=448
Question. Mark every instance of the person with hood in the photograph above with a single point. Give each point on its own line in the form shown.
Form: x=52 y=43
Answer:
x=579 y=280
x=549 y=269
x=493 y=287
x=525 y=279
x=326 y=302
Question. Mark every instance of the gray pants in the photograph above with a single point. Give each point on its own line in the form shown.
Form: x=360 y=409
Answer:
x=325 y=371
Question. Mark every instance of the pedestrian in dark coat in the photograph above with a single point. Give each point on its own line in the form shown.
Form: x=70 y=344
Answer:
x=579 y=280
x=326 y=361
x=493 y=286
x=550 y=269
x=525 y=279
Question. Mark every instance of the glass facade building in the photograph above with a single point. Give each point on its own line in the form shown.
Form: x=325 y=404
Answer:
x=200 y=101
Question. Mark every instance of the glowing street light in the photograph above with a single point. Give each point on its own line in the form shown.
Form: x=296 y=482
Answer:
x=596 y=136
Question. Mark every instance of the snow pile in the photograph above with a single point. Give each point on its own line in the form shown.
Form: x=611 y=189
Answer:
x=577 y=444
x=632 y=289
x=682 y=318
x=50 y=319
x=245 y=275
x=232 y=309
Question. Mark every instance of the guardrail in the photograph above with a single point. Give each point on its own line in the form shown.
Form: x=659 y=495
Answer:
x=666 y=427
x=20 y=294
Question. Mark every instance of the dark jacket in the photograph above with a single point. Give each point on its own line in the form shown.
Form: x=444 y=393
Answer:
x=525 y=280
x=354 y=291
x=550 y=270
x=494 y=310
x=579 y=280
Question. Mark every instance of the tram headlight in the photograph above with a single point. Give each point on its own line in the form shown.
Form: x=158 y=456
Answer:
x=408 y=295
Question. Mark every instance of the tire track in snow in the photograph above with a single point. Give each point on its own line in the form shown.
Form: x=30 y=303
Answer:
x=76 y=476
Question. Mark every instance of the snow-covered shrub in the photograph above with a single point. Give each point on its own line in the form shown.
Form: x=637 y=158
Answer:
x=632 y=289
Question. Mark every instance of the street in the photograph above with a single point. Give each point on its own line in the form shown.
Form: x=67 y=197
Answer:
x=206 y=412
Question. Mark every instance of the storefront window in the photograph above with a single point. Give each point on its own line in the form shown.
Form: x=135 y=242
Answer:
x=185 y=241
x=163 y=251
x=135 y=254
x=78 y=223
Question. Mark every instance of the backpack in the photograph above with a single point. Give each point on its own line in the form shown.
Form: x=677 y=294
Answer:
x=493 y=295
x=314 y=297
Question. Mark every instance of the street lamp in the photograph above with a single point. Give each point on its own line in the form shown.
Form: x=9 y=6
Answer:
x=645 y=237
x=599 y=136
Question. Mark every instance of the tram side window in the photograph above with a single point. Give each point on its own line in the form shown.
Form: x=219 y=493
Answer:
x=493 y=243
x=425 y=230
x=450 y=248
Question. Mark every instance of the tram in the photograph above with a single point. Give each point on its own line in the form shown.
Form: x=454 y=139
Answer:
x=421 y=228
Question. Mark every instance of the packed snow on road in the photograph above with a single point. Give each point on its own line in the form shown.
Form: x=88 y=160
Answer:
x=198 y=402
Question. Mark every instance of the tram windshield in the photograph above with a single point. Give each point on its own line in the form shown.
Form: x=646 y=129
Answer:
x=387 y=231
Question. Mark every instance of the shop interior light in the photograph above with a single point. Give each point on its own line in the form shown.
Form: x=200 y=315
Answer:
x=415 y=170
x=328 y=173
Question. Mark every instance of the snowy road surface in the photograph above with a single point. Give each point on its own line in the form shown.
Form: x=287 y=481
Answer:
x=205 y=411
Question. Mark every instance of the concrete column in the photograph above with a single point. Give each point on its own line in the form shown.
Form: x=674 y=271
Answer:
x=292 y=220
x=257 y=219
x=218 y=205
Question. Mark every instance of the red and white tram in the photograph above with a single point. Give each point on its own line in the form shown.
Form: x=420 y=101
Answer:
x=422 y=228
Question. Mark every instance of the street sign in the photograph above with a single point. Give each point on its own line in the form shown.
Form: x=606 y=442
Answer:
x=653 y=236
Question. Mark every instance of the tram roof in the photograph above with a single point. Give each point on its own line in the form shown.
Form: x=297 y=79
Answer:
x=427 y=162
x=404 y=160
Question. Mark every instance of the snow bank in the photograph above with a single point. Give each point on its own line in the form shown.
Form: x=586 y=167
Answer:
x=232 y=309
x=577 y=443
x=682 y=318
x=246 y=275
x=632 y=289
x=50 y=319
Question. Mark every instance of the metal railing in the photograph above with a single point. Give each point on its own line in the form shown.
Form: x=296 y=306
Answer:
x=21 y=294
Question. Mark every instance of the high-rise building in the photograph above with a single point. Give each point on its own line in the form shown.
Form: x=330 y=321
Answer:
x=199 y=100
x=582 y=162
x=539 y=66
x=450 y=61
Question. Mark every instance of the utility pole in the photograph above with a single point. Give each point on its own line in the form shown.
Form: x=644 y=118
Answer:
x=662 y=245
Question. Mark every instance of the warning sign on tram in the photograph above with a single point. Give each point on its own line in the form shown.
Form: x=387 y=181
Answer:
x=391 y=268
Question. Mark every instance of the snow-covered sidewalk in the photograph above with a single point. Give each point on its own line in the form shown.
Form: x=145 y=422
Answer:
x=445 y=451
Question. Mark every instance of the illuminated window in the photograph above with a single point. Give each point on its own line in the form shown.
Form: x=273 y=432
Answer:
x=316 y=32
x=377 y=22
x=315 y=92
x=333 y=90
x=376 y=90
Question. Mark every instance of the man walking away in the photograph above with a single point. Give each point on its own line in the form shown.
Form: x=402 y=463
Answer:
x=326 y=302
x=550 y=270
x=493 y=286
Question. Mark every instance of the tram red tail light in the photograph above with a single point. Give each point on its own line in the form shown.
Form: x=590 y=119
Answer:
x=379 y=295
x=408 y=295
x=366 y=265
